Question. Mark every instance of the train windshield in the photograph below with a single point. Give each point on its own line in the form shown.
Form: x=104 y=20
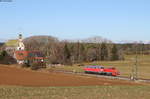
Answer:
x=100 y=67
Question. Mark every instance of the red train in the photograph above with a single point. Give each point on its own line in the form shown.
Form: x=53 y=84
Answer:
x=101 y=70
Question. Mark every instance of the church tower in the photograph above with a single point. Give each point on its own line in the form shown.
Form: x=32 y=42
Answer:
x=20 y=45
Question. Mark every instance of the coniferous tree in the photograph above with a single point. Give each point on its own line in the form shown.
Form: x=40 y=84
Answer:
x=67 y=54
x=114 y=53
x=104 y=52
x=82 y=54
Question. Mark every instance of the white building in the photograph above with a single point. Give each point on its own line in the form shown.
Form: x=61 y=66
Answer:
x=20 y=45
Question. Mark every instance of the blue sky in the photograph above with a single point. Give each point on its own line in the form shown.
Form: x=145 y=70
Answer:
x=70 y=19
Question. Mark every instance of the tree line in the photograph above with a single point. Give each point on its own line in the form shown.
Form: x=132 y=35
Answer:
x=135 y=48
x=64 y=52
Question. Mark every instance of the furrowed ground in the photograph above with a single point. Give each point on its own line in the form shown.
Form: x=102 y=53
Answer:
x=23 y=77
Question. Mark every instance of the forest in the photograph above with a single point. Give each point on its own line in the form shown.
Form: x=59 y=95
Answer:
x=67 y=52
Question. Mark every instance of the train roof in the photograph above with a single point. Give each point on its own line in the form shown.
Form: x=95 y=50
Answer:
x=93 y=66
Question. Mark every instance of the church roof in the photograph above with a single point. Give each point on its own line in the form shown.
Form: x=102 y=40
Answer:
x=11 y=43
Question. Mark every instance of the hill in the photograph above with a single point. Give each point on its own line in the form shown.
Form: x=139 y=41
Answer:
x=40 y=39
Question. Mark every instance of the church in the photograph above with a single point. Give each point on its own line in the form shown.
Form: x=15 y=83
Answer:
x=13 y=45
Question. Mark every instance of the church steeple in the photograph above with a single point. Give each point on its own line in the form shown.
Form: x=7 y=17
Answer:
x=20 y=36
x=20 y=43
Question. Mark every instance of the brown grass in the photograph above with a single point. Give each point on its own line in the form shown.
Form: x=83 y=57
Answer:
x=125 y=67
x=87 y=92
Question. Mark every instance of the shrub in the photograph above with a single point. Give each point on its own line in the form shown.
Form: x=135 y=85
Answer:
x=25 y=65
x=6 y=58
x=34 y=66
x=3 y=54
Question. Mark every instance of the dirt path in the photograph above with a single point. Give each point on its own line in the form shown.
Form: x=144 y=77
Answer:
x=16 y=76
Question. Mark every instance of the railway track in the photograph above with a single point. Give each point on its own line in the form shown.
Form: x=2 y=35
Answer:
x=105 y=76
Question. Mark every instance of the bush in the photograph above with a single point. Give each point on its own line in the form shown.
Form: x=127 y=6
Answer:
x=25 y=65
x=3 y=54
x=34 y=66
x=6 y=58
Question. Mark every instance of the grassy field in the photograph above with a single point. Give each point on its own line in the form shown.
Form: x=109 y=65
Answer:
x=125 y=67
x=92 y=92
